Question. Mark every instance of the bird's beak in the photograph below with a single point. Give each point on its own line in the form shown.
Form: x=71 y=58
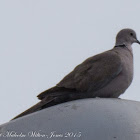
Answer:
x=137 y=41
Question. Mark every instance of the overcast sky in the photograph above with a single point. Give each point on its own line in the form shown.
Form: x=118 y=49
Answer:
x=43 y=40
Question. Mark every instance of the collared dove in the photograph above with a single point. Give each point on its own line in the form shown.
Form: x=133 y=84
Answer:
x=106 y=75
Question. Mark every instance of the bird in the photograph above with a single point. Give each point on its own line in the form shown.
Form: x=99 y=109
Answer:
x=105 y=75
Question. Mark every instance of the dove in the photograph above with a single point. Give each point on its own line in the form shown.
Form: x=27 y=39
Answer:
x=105 y=75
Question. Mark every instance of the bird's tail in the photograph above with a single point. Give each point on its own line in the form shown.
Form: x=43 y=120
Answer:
x=54 y=99
x=35 y=108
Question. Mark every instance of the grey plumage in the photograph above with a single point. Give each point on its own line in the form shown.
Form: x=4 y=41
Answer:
x=105 y=75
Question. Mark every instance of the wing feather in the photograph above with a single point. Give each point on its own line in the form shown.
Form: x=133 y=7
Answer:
x=91 y=75
x=96 y=71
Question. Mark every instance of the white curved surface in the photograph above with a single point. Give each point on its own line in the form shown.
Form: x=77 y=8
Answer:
x=88 y=119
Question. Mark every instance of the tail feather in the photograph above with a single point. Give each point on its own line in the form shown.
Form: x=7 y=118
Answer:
x=34 y=108
x=51 y=100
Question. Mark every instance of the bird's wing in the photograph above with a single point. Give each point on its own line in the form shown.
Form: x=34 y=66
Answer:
x=95 y=72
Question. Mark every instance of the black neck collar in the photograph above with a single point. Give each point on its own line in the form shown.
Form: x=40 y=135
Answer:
x=121 y=45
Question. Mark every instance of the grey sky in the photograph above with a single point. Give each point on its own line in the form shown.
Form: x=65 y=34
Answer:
x=43 y=40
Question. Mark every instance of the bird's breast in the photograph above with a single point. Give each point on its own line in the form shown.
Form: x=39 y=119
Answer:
x=127 y=68
x=120 y=83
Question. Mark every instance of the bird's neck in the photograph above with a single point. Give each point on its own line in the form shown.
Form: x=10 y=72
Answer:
x=124 y=43
x=125 y=47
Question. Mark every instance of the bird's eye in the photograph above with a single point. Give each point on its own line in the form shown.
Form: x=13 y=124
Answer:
x=131 y=34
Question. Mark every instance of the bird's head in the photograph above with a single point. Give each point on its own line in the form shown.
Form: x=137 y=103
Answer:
x=126 y=37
